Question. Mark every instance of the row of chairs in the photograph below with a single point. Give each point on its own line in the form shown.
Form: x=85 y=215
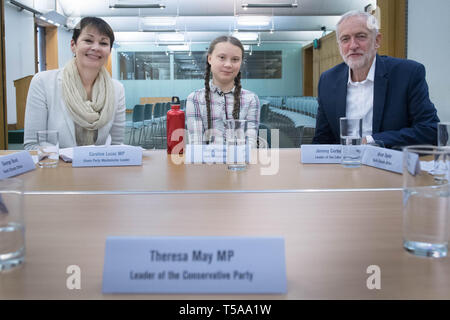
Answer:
x=295 y=117
x=149 y=122
x=302 y=111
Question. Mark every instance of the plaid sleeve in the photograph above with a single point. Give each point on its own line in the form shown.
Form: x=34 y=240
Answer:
x=194 y=119
x=252 y=102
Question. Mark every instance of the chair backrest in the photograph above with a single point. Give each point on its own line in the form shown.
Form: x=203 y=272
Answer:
x=264 y=113
x=168 y=106
x=138 y=113
x=157 y=110
x=148 y=110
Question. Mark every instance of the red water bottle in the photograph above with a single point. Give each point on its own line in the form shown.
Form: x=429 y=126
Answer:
x=175 y=128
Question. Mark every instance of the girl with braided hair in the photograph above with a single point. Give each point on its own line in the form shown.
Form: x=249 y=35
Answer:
x=222 y=98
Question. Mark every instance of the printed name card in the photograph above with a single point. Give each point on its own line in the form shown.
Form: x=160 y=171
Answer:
x=413 y=163
x=107 y=156
x=14 y=164
x=381 y=158
x=321 y=153
x=391 y=160
x=194 y=265
x=216 y=153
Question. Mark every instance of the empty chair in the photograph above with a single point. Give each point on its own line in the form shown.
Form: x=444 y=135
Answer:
x=137 y=122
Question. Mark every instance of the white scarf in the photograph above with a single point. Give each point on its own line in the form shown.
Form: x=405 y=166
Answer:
x=91 y=115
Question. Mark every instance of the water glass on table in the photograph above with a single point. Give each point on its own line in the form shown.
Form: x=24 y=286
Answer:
x=12 y=228
x=442 y=164
x=351 y=136
x=442 y=134
x=235 y=139
x=425 y=203
x=48 y=148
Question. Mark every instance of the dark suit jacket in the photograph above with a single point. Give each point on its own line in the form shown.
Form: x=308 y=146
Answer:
x=402 y=111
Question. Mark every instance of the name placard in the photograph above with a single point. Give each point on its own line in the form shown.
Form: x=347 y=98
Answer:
x=194 y=265
x=386 y=159
x=107 y=156
x=413 y=163
x=14 y=164
x=321 y=153
x=216 y=154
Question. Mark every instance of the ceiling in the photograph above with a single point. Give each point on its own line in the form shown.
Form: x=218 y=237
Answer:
x=203 y=20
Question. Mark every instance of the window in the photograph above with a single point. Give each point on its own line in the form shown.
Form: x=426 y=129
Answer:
x=144 y=66
x=189 y=66
x=156 y=65
x=262 y=65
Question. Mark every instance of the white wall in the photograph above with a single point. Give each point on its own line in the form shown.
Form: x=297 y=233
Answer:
x=64 y=52
x=429 y=44
x=19 y=43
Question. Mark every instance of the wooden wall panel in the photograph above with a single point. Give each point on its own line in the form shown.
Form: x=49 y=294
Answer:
x=307 y=54
x=145 y=100
x=109 y=65
x=51 y=47
x=324 y=58
x=22 y=85
x=393 y=28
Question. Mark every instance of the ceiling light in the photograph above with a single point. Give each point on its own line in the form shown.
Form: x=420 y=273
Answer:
x=55 y=18
x=138 y=6
x=245 y=6
x=253 y=20
x=159 y=21
x=179 y=48
x=171 y=37
x=246 y=36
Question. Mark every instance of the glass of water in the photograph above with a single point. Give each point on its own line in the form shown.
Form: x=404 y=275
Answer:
x=443 y=131
x=425 y=202
x=351 y=135
x=48 y=148
x=12 y=227
x=236 y=144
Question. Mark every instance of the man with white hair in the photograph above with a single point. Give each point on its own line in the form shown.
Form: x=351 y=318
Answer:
x=389 y=94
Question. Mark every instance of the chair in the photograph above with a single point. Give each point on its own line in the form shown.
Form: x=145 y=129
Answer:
x=156 y=123
x=136 y=123
x=148 y=115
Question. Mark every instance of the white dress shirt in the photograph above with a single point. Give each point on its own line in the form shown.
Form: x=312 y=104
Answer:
x=360 y=101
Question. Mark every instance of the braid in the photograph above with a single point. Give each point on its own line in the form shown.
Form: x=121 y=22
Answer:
x=207 y=93
x=237 y=96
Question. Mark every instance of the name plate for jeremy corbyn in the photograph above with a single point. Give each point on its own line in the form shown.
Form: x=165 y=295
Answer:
x=16 y=163
x=216 y=153
x=386 y=159
x=204 y=265
x=321 y=153
x=107 y=156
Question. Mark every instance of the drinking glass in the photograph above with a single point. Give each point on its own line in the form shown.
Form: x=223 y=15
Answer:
x=48 y=148
x=236 y=144
x=12 y=226
x=351 y=135
x=425 y=202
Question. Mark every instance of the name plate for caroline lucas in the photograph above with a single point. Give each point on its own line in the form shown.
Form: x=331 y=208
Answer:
x=194 y=265
x=16 y=163
x=110 y=156
x=321 y=153
x=386 y=159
